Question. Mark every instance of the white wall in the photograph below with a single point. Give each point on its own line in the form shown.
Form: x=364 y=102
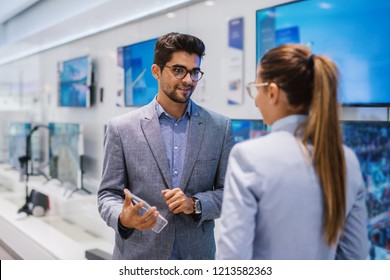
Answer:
x=39 y=71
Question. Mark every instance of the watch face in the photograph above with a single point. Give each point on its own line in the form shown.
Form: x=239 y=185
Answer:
x=198 y=207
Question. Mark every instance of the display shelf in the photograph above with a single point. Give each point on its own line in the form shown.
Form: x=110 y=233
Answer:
x=70 y=228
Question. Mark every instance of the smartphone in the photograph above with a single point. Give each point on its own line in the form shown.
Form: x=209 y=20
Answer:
x=161 y=221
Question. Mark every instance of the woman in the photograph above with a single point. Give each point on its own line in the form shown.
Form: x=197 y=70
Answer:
x=296 y=193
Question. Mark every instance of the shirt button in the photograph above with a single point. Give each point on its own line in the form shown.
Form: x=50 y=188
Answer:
x=176 y=147
x=175 y=172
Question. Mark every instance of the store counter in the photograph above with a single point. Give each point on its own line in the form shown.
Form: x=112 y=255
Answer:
x=71 y=227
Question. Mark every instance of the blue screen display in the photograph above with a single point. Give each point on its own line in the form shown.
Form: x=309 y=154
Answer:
x=137 y=60
x=245 y=129
x=18 y=133
x=75 y=83
x=354 y=34
x=65 y=153
x=371 y=143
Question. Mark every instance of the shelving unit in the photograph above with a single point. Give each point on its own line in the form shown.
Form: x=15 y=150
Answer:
x=69 y=228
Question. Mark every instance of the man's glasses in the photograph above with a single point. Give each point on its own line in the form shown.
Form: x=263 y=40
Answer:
x=180 y=72
x=252 y=88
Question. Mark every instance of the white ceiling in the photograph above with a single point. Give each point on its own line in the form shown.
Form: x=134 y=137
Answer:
x=10 y=8
x=45 y=24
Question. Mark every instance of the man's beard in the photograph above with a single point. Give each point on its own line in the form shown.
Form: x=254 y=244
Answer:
x=179 y=98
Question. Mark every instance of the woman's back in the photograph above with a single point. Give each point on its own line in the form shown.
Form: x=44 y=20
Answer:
x=280 y=202
x=286 y=198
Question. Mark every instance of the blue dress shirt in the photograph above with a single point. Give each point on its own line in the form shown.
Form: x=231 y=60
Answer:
x=174 y=134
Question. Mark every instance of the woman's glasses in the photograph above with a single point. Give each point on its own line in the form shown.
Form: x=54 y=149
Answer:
x=252 y=88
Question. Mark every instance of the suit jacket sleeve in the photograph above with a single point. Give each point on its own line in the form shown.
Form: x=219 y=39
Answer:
x=354 y=244
x=110 y=194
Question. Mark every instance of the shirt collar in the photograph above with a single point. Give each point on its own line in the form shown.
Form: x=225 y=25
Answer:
x=160 y=110
x=288 y=123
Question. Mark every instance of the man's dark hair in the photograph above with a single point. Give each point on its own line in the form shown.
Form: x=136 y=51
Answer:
x=172 y=42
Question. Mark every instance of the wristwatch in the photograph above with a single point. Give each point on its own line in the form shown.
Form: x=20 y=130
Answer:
x=197 y=206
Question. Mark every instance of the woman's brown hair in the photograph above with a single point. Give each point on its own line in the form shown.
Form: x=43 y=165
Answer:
x=311 y=84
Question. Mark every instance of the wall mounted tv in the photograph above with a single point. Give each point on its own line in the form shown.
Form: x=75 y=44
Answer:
x=17 y=138
x=355 y=34
x=371 y=143
x=75 y=82
x=140 y=86
x=65 y=153
x=245 y=129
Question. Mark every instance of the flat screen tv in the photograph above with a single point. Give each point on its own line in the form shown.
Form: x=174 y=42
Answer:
x=18 y=133
x=245 y=129
x=75 y=82
x=65 y=153
x=371 y=143
x=140 y=86
x=355 y=34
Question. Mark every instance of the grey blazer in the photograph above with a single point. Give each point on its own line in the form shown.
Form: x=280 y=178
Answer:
x=273 y=202
x=135 y=158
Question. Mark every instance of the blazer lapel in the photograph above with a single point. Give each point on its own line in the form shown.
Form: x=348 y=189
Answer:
x=194 y=142
x=151 y=129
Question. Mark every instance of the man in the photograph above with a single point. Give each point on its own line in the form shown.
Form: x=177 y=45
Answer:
x=171 y=153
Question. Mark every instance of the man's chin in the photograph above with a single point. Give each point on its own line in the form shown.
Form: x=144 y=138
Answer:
x=182 y=101
x=183 y=97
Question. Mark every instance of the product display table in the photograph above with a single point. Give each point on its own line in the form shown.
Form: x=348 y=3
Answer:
x=70 y=228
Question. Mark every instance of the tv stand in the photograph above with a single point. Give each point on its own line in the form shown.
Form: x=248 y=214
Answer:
x=78 y=190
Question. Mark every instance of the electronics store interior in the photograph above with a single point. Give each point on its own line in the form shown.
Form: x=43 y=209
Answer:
x=68 y=67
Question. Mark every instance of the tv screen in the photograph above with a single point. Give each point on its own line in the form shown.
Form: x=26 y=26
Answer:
x=371 y=143
x=140 y=86
x=65 y=152
x=75 y=78
x=244 y=129
x=18 y=133
x=355 y=36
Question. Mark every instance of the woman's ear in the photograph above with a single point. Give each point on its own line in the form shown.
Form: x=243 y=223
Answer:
x=273 y=93
x=156 y=71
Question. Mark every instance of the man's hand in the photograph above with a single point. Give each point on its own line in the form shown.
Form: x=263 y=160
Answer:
x=177 y=201
x=130 y=218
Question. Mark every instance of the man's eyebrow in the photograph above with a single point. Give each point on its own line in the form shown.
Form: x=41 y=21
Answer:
x=182 y=66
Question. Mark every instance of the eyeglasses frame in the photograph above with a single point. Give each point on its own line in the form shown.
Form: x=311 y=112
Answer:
x=187 y=71
x=257 y=85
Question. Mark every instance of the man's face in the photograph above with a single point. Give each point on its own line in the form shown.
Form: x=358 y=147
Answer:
x=178 y=90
